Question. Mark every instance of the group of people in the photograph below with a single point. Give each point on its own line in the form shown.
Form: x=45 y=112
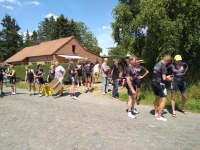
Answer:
x=131 y=77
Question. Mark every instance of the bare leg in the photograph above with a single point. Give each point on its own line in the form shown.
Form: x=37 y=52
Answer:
x=156 y=104
x=184 y=97
x=138 y=93
x=130 y=103
x=161 y=106
x=173 y=97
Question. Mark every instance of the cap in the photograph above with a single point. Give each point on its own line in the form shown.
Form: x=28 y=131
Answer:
x=177 y=58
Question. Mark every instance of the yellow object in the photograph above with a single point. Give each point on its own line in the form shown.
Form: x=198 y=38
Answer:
x=177 y=58
x=48 y=89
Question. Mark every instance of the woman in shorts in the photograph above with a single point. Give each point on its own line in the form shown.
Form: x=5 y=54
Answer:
x=30 y=78
x=51 y=74
x=39 y=79
x=12 y=77
x=96 y=71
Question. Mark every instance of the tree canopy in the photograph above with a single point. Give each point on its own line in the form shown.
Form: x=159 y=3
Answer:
x=153 y=28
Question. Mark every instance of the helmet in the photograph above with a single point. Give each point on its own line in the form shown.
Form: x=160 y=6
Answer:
x=177 y=58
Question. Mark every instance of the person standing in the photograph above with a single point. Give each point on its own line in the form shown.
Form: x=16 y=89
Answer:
x=158 y=85
x=123 y=64
x=2 y=73
x=114 y=77
x=12 y=77
x=178 y=69
x=30 y=79
x=51 y=74
x=139 y=71
x=96 y=71
x=60 y=74
x=105 y=71
x=88 y=74
x=131 y=86
x=71 y=76
x=39 y=79
x=79 y=69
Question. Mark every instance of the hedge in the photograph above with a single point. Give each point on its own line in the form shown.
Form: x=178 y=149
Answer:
x=20 y=71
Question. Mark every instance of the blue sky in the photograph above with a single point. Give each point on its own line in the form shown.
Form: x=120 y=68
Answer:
x=96 y=14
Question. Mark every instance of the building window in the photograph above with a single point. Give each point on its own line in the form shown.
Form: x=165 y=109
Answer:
x=34 y=63
x=47 y=62
x=73 y=48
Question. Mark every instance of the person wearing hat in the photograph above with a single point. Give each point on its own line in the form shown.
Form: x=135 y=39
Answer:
x=178 y=69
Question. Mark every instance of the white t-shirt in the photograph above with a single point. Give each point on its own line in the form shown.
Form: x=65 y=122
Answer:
x=96 y=68
x=59 y=73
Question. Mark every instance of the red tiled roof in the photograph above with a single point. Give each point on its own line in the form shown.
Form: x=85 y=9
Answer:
x=45 y=48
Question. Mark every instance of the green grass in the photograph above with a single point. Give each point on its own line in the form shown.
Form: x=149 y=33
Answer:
x=192 y=104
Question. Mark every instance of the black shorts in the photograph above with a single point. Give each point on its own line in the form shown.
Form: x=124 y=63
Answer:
x=50 y=79
x=181 y=85
x=79 y=73
x=138 y=83
x=12 y=80
x=40 y=81
x=159 y=89
x=88 y=75
x=129 y=90
x=30 y=81
x=71 y=80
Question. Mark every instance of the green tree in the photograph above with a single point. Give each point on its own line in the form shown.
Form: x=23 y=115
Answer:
x=10 y=40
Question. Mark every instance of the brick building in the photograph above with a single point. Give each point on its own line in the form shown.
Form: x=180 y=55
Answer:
x=48 y=52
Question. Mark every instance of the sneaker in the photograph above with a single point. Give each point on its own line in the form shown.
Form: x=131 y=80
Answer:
x=57 y=96
x=135 y=111
x=71 y=96
x=40 y=95
x=74 y=97
x=30 y=93
x=86 y=90
x=156 y=115
x=90 y=89
x=104 y=93
x=2 y=93
x=81 y=84
x=46 y=95
x=78 y=85
x=161 y=119
x=34 y=93
x=131 y=115
x=13 y=93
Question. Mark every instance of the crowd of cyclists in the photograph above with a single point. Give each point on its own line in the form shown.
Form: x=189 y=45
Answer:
x=127 y=73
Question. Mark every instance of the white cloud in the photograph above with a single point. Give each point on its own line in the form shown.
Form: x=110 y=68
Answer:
x=11 y=1
x=32 y=2
x=104 y=39
x=8 y=7
x=104 y=28
x=50 y=14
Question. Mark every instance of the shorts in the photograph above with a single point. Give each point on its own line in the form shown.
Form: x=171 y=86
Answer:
x=50 y=79
x=79 y=73
x=138 y=83
x=30 y=81
x=40 y=81
x=88 y=75
x=181 y=85
x=159 y=89
x=96 y=74
x=129 y=92
x=1 y=79
x=12 y=80
x=71 y=80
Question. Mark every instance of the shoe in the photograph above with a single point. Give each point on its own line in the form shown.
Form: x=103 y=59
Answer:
x=131 y=115
x=71 y=96
x=13 y=93
x=156 y=115
x=34 y=93
x=46 y=95
x=2 y=93
x=161 y=119
x=104 y=93
x=81 y=84
x=135 y=111
x=86 y=91
x=90 y=90
x=184 y=112
x=74 y=97
x=57 y=96
x=30 y=93
x=78 y=86
x=174 y=115
x=40 y=95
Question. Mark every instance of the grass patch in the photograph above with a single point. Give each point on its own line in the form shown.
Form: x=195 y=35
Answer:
x=192 y=104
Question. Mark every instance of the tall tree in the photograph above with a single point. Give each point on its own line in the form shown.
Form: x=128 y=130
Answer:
x=10 y=40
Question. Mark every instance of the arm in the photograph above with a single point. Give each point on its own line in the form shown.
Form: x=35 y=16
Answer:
x=11 y=74
x=186 y=68
x=146 y=72
x=25 y=77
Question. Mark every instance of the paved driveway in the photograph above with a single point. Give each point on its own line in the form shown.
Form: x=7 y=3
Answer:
x=94 y=121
